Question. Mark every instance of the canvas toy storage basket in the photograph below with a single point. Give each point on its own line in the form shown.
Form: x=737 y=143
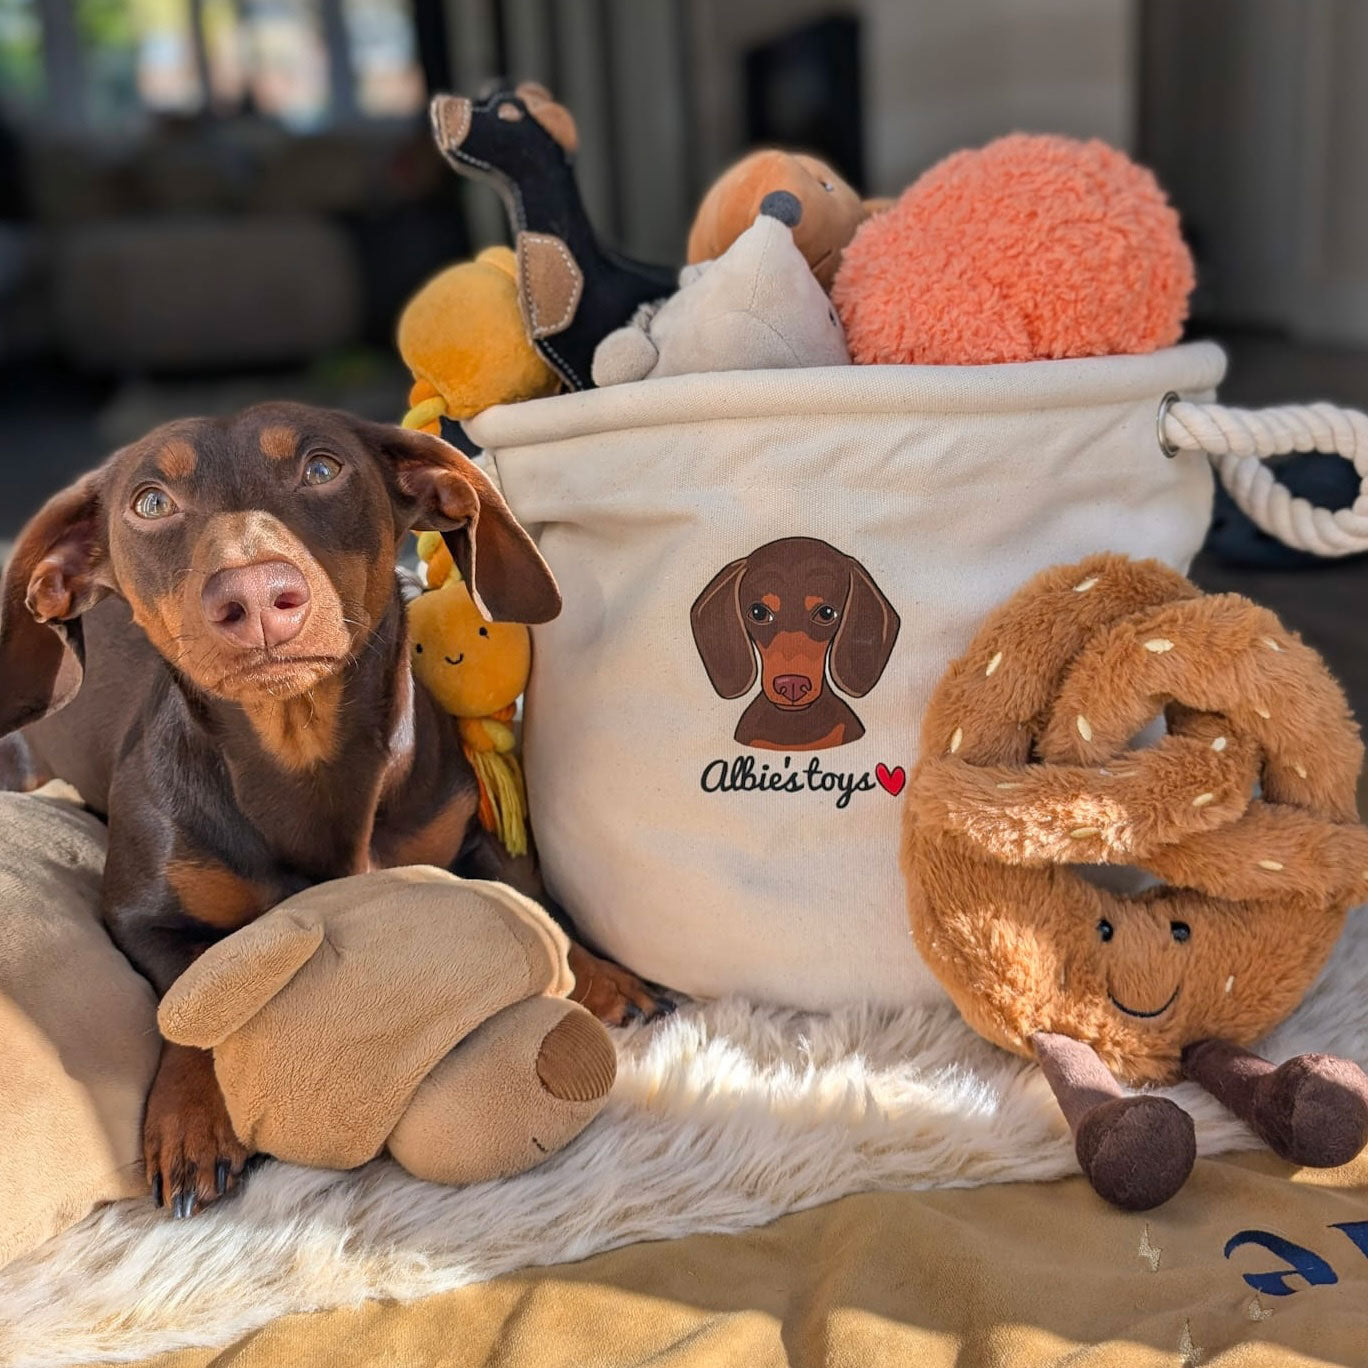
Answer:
x=717 y=729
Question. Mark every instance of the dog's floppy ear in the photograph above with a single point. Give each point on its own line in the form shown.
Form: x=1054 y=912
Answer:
x=865 y=638
x=554 y=117
x=59 y=569
x=720 y=634
x=440 y=490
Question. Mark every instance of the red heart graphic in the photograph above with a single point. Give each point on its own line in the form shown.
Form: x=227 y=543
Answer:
x=891 y=781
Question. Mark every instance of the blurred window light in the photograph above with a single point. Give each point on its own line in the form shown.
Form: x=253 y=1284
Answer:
x=384 y=57
x=287 y=62
x=21 y=55
x=305 y=63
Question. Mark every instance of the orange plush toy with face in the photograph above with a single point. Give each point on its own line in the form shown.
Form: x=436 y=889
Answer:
x=831 y=209
x=476 y=670
x=1028 y=771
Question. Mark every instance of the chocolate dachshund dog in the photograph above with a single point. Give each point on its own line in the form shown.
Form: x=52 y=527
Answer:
x=250 y=724
x=817 y=622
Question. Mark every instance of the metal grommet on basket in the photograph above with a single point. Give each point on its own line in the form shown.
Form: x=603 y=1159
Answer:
x=1166 y=403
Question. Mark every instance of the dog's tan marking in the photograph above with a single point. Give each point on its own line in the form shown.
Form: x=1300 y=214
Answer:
x=177 y=459
x=771 y=601
x=439 y=841
x=299 y=733
x=813 y=602
x=213 y=894
x=278 y=443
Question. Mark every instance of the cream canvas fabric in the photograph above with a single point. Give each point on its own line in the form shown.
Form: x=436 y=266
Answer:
x=764 y=575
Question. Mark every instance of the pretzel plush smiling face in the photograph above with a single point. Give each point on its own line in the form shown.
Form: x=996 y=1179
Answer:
x=1027 y=771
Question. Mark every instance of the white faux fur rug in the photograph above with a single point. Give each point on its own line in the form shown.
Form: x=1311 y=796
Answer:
x=725 y=1116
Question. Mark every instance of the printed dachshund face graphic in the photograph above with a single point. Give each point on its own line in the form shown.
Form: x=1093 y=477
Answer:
x=808 y=620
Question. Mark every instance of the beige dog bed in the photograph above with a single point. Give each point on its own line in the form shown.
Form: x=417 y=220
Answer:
x=78 y=1027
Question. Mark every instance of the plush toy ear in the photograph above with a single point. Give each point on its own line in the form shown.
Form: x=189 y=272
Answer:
x=720 y=635
x=235 y=978
x=864 y=640
x=438 y=489
x=555 y=118
x=59 y=569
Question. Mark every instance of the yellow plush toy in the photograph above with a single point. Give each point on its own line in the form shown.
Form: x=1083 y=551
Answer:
x=476 y=670
x=463 y=340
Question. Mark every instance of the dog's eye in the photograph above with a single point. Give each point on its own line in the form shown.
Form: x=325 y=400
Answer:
x=321 y=470
x=153 y=503
x=826 y=614
x=759 y=613
x=1104 y=929
x=1180 y=931
x=418 y=648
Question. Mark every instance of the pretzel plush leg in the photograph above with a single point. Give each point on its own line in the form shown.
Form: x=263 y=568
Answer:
x=1136 y=1150
x=1311 y=1110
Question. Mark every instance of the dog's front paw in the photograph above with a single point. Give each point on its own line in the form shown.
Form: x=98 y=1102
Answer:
x=613 y=994
x=191 y=1153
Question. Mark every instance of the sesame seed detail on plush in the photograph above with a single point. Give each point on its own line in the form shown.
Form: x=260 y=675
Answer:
x=1029 y=769
x=1033 y=247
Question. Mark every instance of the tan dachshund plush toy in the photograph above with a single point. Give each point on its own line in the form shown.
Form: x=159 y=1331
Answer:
x=1028 y=770
x=405 y=1010
x=831 y=210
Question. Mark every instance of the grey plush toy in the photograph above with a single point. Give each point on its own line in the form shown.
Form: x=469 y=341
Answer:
x=756 y=307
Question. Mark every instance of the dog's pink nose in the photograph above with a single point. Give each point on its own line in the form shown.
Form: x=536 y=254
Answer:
x=255 y=606
x=794 y=687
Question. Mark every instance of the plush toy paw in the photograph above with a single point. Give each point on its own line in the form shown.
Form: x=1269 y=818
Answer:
x=627 y=354
x=518 y=1088
x=1136 y=1151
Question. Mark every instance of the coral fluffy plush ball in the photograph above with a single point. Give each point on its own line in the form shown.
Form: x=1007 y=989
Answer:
x=1031 y=247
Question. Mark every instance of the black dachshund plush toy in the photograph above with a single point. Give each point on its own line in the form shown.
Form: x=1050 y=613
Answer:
x=572 y=290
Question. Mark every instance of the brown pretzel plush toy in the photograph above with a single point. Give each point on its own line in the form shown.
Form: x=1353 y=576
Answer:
x=1027 y=770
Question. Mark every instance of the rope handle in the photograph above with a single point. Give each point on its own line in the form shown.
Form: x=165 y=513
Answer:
x=1239 y=441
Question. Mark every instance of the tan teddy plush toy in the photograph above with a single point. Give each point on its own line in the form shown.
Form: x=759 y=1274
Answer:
x=405 y=1010
x=1245 y=811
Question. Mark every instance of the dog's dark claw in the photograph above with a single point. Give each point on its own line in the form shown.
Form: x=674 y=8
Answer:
x=157 y=1198
x=221 y=1177
x=665 y=1006
x=184 y=1204
x=632 y=1013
